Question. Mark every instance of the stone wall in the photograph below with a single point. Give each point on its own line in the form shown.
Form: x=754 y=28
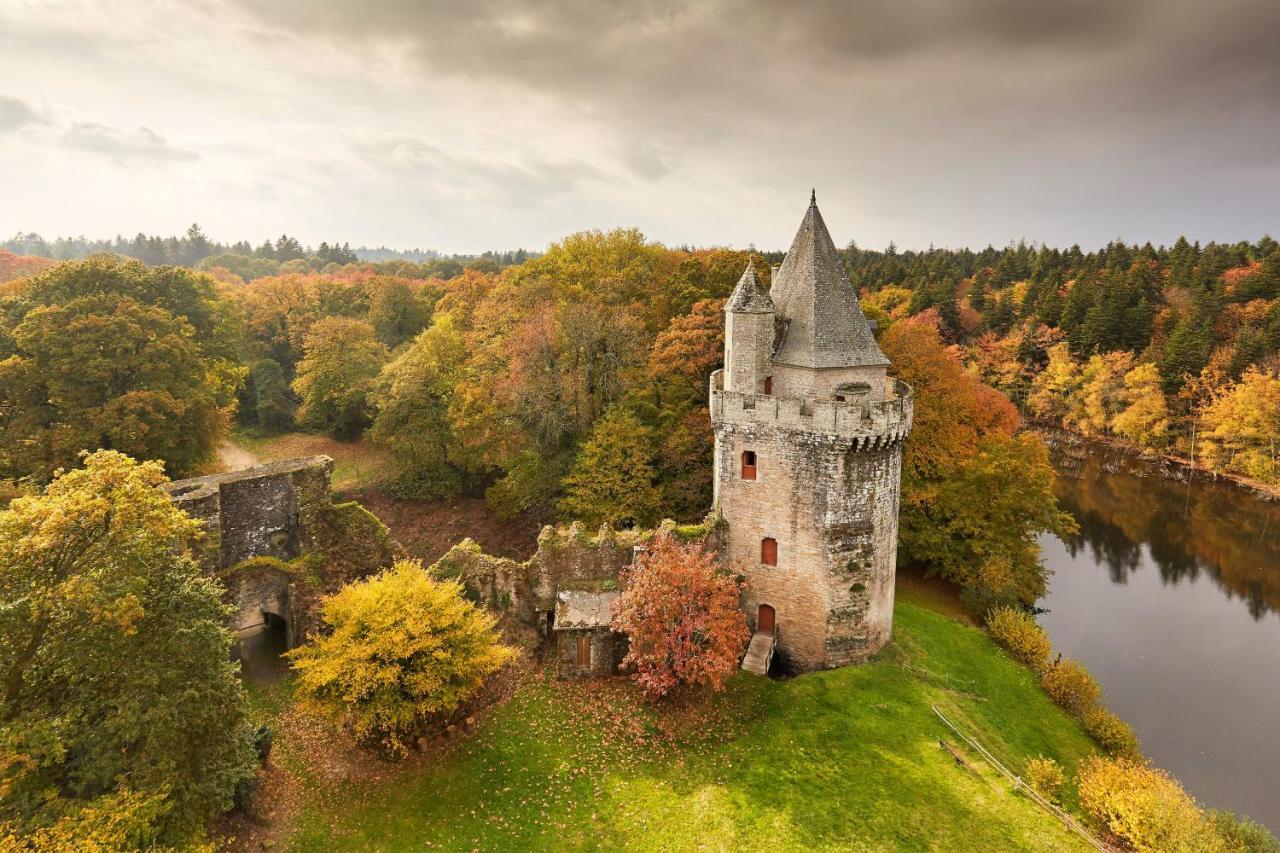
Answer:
x=255 y=512
x=748 y=348
x=607 y=651
x=808 y=382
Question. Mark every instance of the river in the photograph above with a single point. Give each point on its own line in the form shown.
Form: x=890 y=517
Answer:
x=1170 y=595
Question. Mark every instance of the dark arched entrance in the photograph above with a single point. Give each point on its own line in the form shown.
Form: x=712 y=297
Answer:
x=261 y=647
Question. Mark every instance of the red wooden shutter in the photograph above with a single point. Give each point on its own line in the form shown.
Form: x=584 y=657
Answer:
x=769 y=551
x=748 y=465
x=768 y=385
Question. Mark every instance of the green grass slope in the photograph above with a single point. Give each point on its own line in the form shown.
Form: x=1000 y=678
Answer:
x=841 y=760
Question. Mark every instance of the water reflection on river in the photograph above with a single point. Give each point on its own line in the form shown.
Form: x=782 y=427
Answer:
x=1170 y=595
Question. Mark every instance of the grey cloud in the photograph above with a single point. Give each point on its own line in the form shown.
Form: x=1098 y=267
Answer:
x=529 y=181
x=15 y=114
x=139 y=144
x=689 y=70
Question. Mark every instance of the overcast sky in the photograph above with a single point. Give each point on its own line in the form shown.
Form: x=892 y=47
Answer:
x=483 y=124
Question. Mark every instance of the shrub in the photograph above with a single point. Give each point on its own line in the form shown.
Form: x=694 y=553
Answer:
x=1045 y=776
x=1070 y=685
x=1112 y=733
x=1143 y=806
x=403 y=646
x=1241 y=834
x=1017 y=633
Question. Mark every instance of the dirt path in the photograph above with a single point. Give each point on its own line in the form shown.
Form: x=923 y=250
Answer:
x=233 y=457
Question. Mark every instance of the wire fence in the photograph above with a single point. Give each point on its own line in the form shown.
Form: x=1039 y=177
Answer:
x=1022 y=787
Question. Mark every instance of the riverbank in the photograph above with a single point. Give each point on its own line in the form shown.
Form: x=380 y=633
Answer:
x=1068 y=449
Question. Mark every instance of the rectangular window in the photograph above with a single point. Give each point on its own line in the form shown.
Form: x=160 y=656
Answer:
x=768 y=385
x=769 y=551
x=748 y=464
x=584 y=651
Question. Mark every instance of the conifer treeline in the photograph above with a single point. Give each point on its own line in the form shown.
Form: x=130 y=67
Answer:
x=1149 y=344
x=195 y=249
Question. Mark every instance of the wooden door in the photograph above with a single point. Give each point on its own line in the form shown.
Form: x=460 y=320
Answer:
x=764 y=619
x=584 y=651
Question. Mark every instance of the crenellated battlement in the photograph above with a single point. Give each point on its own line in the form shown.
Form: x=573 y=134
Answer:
x=867 y=423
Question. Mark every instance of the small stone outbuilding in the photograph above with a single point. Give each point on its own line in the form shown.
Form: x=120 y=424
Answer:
x=586 y=645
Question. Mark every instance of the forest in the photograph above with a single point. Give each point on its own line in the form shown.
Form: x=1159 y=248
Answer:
x=573 y=384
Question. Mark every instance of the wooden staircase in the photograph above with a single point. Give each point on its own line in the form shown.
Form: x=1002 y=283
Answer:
x=759 y=653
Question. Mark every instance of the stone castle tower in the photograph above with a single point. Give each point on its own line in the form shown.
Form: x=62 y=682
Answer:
x=808 y=456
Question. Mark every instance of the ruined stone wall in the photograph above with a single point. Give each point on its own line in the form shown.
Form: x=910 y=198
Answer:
x=277 y=542
x=255 y=512
x=566 y=558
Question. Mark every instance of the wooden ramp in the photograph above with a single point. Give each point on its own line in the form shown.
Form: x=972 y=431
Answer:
x=759 y=653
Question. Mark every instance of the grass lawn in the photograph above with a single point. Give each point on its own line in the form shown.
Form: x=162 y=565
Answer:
x=840 y=760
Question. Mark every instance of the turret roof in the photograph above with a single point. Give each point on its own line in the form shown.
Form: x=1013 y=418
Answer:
x=749 y=297
x=825 y=326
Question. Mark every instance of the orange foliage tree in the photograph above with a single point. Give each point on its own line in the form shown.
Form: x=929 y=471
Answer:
x=680 y=612
x=975 y=496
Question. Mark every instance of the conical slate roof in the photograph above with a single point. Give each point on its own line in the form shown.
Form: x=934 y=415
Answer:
x=749 y=297
x=825 y=327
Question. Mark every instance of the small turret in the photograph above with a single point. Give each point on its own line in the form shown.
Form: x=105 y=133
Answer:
x=748 y=335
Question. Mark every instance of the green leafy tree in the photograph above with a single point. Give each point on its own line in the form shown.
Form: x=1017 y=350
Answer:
x=341 y=360
x=413 y=397
x=105 y=372
x=402 y=647
x=612 y=479
x=114 y=662
x=108 y=353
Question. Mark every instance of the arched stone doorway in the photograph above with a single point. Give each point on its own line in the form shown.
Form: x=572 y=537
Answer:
x=766 y=619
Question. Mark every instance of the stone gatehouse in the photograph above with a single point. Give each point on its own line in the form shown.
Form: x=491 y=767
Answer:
x=278 y=542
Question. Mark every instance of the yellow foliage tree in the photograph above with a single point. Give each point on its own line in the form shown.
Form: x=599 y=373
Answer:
x=1145 y=418
x=1102 y=392
x=403 y=646
x=1053 y=388
x=1243 y=426
x=336 y=376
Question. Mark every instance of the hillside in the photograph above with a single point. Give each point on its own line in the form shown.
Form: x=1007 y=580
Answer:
x=845 y=759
